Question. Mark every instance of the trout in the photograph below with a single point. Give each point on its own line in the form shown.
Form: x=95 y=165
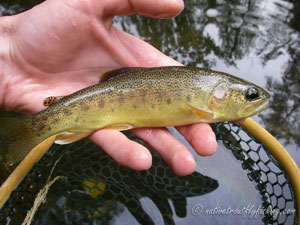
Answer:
x=129 y=98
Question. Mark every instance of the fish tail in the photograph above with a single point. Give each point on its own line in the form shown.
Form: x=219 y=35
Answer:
x=17 y=136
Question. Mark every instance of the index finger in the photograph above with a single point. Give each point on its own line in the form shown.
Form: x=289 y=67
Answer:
x=201 y=137
x=150 y=8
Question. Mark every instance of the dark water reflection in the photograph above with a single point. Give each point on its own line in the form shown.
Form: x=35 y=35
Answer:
x=282 y=38
x=186 y=37
x=226 y=35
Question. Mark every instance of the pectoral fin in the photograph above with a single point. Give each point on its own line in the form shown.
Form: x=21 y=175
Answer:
x=204 y=114
x=113 y=73
x=68 y=137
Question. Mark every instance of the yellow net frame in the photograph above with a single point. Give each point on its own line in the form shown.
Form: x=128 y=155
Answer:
x=280 y=154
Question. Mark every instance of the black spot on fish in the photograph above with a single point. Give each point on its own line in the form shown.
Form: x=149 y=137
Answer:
x=90 y=98
x=168 y=101
x=44 y=118
x=66 y=112
x=33 y=123
x=177 y=93
x=55 y=120
x=143 y=95
x=101 y=103
x=73 y=104
x=111 y=101
x=121 y=98
x=159 y=95
x=41 y=126
x=85 y=107
x=188 y=98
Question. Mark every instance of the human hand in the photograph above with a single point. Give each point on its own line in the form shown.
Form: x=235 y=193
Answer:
x=61 y=46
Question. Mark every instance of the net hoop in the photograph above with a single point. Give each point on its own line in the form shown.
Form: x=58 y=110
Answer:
x=279 y=153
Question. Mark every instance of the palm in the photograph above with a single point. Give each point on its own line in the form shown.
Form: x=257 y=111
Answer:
x=64 y=50
x=62 y=46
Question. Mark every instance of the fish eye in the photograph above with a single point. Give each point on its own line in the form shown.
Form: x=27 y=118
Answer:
x=251 y=93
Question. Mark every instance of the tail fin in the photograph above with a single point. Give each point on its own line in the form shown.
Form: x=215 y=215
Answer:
x=17 y=138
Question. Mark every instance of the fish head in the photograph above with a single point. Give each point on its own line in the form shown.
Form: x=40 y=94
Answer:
x=235 y=99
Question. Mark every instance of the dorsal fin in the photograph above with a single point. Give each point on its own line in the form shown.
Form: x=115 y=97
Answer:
x=51 y=100
x=113 y=73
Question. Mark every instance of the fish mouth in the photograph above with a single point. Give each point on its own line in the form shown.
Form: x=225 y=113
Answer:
x=258 y=107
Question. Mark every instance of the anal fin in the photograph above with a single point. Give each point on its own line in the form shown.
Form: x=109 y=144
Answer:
x=118 y=127
x=68 y=137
